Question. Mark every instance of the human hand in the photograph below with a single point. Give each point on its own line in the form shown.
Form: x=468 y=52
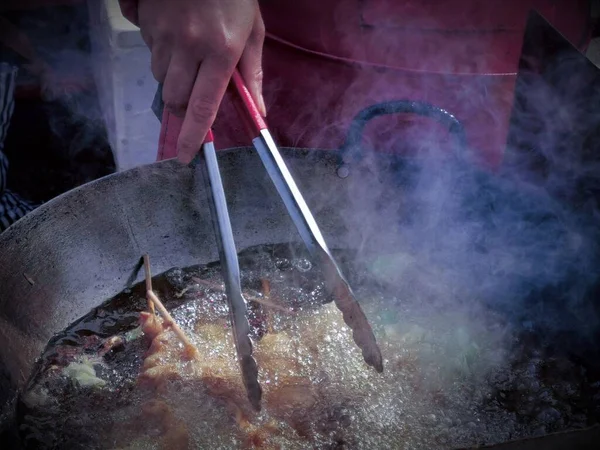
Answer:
x=196 y=45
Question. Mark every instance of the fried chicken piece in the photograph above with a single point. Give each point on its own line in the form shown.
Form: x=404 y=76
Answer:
x=218 y=370
x=152 y=325
x=275 y=354
x=155 y=377
x=258 y=436
x=215 y=369
x=174 y=435
x=289 y=394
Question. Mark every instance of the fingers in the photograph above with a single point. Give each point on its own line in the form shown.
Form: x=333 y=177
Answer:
x=159 y=63
x=207 y=93
x=251 y=64
x=179 y=83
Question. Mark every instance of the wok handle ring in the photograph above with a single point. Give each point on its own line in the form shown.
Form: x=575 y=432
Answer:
x=350 y=152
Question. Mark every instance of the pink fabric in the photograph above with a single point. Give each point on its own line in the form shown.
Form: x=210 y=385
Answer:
x=326 y=60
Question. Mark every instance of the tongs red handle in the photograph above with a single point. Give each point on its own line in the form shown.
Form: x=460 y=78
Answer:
x=170 y=127
x=246 y=108
x=301 y=215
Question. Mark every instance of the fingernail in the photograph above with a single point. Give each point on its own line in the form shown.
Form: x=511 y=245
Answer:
x=184 y=159
x=261 y=106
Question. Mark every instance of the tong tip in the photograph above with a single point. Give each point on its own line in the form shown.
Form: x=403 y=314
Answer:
x=248 y=366
x=352 y=313
x=250 y=375
x=373 y=358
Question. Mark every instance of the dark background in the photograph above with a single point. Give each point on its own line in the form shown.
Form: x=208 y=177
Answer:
x=50 y=148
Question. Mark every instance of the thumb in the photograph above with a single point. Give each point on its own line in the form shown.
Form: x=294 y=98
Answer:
x=251 y=64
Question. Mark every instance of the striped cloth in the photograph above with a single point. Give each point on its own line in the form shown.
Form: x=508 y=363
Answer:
x=12 y=206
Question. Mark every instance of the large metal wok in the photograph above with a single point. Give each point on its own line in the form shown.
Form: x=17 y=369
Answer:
x=83 y=247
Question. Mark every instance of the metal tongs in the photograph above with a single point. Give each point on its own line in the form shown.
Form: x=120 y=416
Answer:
x=297 y=208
